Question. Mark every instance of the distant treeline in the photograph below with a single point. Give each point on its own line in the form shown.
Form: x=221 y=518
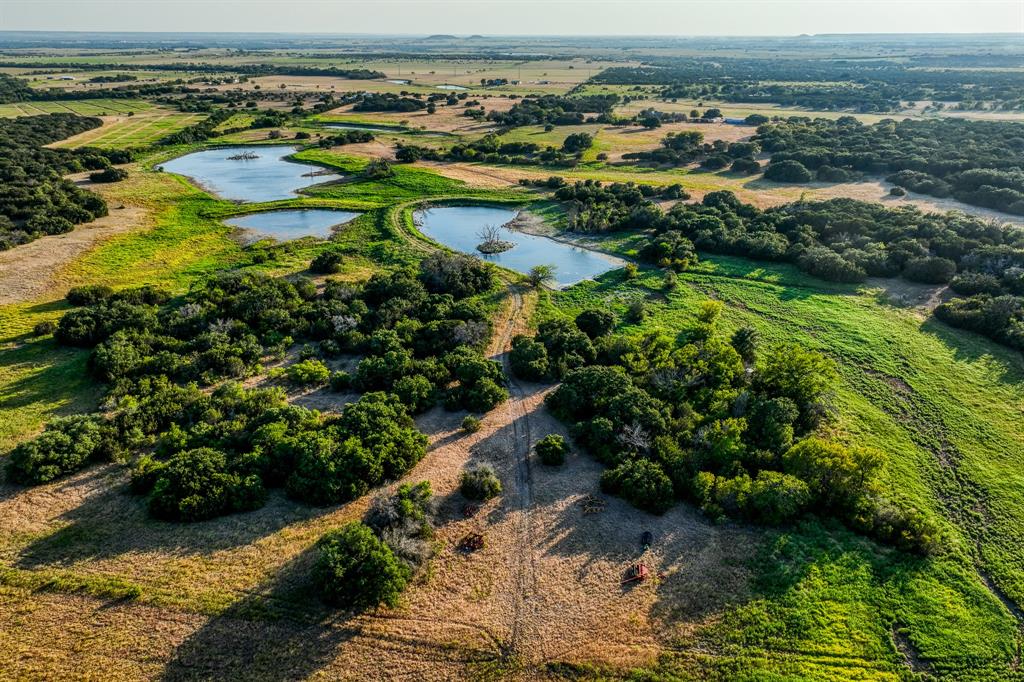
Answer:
x=864 y=85
x=840 y=240
x=35 y=199
x=203 y=67
x=977 y=162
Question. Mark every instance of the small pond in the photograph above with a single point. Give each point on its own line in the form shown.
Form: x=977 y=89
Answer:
x=451 y=87
x=360 y=126
x=267 y=177
x=458 y=227
x=398 y=81
x=287 y=225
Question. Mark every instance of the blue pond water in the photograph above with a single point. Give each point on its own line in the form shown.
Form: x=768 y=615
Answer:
x=360 y=126
x=287 y=225
x=458 y=226
x=266 y=178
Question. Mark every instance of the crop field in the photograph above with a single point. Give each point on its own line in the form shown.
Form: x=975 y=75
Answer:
x=123 y=132
x=84 y=107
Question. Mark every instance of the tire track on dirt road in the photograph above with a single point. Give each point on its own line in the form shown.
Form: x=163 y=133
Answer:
x=526 y=591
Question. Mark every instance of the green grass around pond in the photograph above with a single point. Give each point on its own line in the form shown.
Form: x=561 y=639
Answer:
x=943 y=404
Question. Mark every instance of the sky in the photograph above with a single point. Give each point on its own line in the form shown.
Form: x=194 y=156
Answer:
x=521 y=17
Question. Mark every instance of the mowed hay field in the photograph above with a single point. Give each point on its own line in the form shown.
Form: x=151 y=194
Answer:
x=82 y=107
x=139 y=130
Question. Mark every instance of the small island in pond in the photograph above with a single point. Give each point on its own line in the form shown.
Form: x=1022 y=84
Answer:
x=491 y=241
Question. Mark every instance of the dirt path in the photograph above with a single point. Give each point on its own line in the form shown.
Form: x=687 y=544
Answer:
x=522 y=443
x=29 y=271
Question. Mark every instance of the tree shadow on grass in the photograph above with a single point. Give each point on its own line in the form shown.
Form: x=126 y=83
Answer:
x=110 y=522
x=281 y=631
x=1006 y=365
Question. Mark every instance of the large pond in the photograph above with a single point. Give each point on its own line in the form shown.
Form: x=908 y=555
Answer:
x=458 y=227
x=256 y=173
x=287 y=225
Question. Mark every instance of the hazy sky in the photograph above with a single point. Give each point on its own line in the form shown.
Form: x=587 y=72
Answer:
x=522 y=17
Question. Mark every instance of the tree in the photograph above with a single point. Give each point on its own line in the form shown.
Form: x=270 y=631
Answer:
x=745 y=340
x=326 y=263
x=838 y=477
x=540 y=275
x=596 y=322
x=354 y=569
x=787 y=171
x=552 y=449
x=642 y=483
x=378 y=169
x=529 y=359
x=577 y=142
x=480 y=483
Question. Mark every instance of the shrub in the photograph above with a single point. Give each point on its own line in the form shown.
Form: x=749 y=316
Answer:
x=471 y=424
x=529 y=359
x=415 y=391
x=746 y=166
x=630 y=271
x=636 y=312
x=480 y=483
x=482 y=396
x=308 y=373
x=776 y=497
x=898 y=191
x=197 y=484
x=44 y=328
x=326 y=263
x=552 y=449
x=88 y=294
x=68 y=444
x=787 y=171
x=642 y=483
x=355 y=569
x=931 y=270
x=595 y=323
x=109 y=175
x=340 y=381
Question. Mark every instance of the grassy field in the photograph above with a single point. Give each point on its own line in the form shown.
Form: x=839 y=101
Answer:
x=123 y=132
x=943 y=404
x=83 y=107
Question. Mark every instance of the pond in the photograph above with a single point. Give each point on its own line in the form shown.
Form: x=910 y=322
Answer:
x=288 y=225
x=451 y=87
x=267 y=177
x=360 y=126
x=458 y=227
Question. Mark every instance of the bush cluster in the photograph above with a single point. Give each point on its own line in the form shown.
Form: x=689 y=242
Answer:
x=203 y=453
x=700 y=418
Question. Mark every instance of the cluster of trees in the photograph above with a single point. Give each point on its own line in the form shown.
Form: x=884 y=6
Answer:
x=344 y=137
x=875 y=85
x=926 y=156
x=196 y=454
x=705 y=419
x=35 y=199
x=555 y=110
x=387 y=101
x=679 y=149
x=842 y=240
x=491 y=149
x=595 y=207
x=14 y=89
x=990 y=294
